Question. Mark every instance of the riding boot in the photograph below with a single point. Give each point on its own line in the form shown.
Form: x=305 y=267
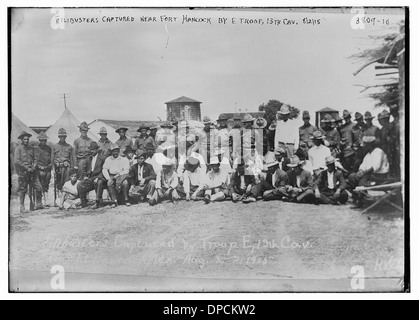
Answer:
x=22 y=202
x=38 y=200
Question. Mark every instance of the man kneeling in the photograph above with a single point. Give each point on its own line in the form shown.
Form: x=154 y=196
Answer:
x=166 y=184
x=142 y=180
x=331 y=185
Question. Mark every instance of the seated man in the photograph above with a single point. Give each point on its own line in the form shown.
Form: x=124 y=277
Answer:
x=142 y=179
x=318 y=153
x=216 y=182
x=330 y=187
x=91 y=175
x=166 y=184
x=243 y=183
x=300 y=187
x=129 y=153
x=373 y=170
x=116 y=172
x=281 y=157
x=191 y=174
x=70 y=196
x=272 y=187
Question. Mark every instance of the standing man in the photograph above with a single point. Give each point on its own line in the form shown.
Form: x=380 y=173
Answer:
x=92 y=176
x=123 y=142
x=330 y=187
x=82 y=144
x=142 y=179
x=395 y=138
x=369 y=129
x=104 y=143
x=287 y=135
x=235 y=137
x=346 y=128
x=306 y=133
x=357 y=136
x=43 y=156
x=116 y=172
x=251 y=139
x=207 y=139
x=300 y=187
x=224 y=136
x=64 y=159
x=318 y=153
x=385 y=137
x=144 y=139
x=331 y=134
x=25 y=164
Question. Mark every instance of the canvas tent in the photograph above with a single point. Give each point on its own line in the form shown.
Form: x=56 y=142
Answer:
x=17 y=126
x=70 y=123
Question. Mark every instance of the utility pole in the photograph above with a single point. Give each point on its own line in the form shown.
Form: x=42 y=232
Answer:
x=65 y=101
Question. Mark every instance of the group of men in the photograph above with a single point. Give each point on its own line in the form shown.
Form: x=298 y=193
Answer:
x=245 y=162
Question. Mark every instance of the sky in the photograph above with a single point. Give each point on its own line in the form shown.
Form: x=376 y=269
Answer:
x=128 y=70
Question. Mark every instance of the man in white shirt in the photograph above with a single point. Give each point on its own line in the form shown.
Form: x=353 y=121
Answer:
x=116 y=172
x=317 y=155
x=287 y=134
x=191 y=172
x=166 y=184
x=216 y=182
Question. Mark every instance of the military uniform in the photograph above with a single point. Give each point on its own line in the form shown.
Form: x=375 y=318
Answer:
x=123 y=143
x=81 y=148
x=63 y=158
x=105 y=147
x=346 y=132
x=43 y=155
x=306 y=137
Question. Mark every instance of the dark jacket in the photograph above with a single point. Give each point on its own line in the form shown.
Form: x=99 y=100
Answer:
x=236 y=181
x=148 y=174
x=89 y=172
x=338 y=180
x=306 y=181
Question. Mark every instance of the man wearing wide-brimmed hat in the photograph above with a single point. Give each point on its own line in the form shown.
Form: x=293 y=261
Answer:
x=116 y=172
x=43 y=155
x=251 y=139
x=235 y=137
x=82 y=144
x=223 y=135
x=191 y=171
x=207 y=139
x=287 y=135
x=63 y=158
x=318 y=153
x=25 y=164
x=167 y=182
x=395 y=137
x=346 y=128
x=300 y=187
x=243 y=183
x=386 y=141
x=369 y=129
x=142 y=178
x=215 y=183
x=92 y=175
x=272 y=186
x=357 y=135
x=332 y=136
x=104 y=143
x=123 y=142
x=281 y=157
x=330 y=187
x=347 y=155
x=144 y=139
x=306 y=132
x=129 y=153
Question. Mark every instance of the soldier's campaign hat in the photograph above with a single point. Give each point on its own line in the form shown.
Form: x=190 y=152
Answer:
x=103 y=131
x=260 y=123
x=128 y=150
x=121 y=129
x=383 y=115
x=279 y=151
x=42 y=136
x=317 y=135
x=141 y=154
x=369 y=139
x=207 y=120
x=368 y=116
x=328 y=119
x=62 y=132
x=93 y=146
x=214 y=161
x=346 y=114
x=295 y=162
x=222 y=117
x=115 y=147
x=191 y=164
x=84 y=126
x=285 y=109
x=330 y=160
x=338 y=119
x=167 y=125
x=24 y=134
x=306 y=115
x=359 y=116
x=143 y=127
x=237 y=117
x=248 y=118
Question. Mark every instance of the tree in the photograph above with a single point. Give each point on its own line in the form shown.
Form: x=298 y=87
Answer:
x=273 y=106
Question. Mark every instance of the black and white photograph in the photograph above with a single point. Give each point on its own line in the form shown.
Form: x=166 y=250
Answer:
x=221 y=150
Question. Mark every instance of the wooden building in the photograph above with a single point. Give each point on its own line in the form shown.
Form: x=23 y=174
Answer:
x=184 y=108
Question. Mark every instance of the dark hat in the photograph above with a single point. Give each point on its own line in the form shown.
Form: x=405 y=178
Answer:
x=42 y=136
x=121 y=129
x=306 y=115
x=62 y=133
x=150 y=146
x=346 y=114
x=144 y=127
x=237 y=117
x=368 y=116
x=23 y=135
x=192 y=164
x=328 y=119
x=84 y=126
x=141 y=154
x=94 y=146
x=359 y=116
x=222 y=117
x=338 y=119
x=383 y=115
x=73 y=172
x=128 y=149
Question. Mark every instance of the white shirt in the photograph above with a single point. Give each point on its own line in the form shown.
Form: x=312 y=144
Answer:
x=140 y=172
x=157 y=161
x=287 y=132
x=318 y=155
x=114 y=166
x=215 y=180
x=70 y=188
x=330 y=180
x=376 y=160
x=299 y=182
x=94 y=159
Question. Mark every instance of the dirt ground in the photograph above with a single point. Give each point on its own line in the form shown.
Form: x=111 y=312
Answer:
x=197 y=242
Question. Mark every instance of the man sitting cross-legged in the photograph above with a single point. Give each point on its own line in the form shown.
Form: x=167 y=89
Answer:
x=166 y=184
x=243 y=182
x=142 y=179
x=191 y=173
x=91 y=175
x=216 y=182
x=330 y=187
x=300 y=187
x=272 y=186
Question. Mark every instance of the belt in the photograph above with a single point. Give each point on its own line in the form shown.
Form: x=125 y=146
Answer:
x=280 y=142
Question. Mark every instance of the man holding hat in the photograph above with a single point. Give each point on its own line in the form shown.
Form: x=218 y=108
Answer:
x=330 y=187
x=318 y=153
x=26 y=166
x=166 y=184
x=92 y=175
x=144 y=139
x=306 y=133
x=370 y=130
x=287 y=134
x=43 y=156
x=331 y=134
x=116 y=172
x=63 y=158
x=82 y=144
x=142 y=179
x=104 y=143
x=300 y=187
x=216 y=182
x=123 y=142
x=346 y=128
x=191 y=172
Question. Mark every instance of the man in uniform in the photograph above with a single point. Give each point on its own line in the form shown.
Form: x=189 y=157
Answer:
x=64 y=160
x=144 y=139
x=287 y=134
x=331 y=134
x=207 y=139
x=82 y=144
x=235 y=138
x=369 y=129
x=300 y=187
x=306 y=133
x=318 y=153
x=123 y=142
x=43 y=155
x=346 y=128
x=104 y=143
x=224 y=136
x=26 y=166
x=395 y=138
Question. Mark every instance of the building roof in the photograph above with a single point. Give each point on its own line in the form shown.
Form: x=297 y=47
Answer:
x=17 y=126
x=183 y=99
x=242 y=114
x=328 y=110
